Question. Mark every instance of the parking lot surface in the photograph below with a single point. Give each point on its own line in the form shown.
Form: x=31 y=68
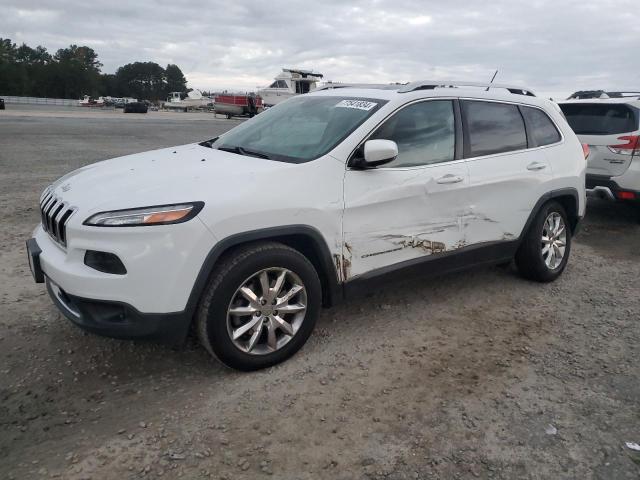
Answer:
x=472 y=375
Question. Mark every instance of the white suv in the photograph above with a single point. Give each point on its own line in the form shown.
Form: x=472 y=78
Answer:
x=245 y=236
x=610 y=125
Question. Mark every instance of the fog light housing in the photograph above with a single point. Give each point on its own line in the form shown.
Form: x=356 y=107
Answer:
x=104 y=262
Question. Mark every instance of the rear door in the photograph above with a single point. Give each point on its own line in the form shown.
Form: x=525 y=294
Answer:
x=507 y=175
x=610 y=130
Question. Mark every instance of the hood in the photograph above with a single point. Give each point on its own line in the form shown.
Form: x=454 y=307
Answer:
x=171 y=175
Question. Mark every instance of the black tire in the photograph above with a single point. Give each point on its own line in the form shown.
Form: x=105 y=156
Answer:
x=529 y=259
x=227 y=277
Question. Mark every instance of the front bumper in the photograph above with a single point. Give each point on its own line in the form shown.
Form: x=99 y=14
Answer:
x=162 y=263
x=119 y=320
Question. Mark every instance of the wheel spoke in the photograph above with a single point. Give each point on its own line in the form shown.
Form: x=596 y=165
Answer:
x=247 y=293
x=279 y=283
x=264 y=285
x=551 y=258
x=546 y=240
x=289 y=295
x=246 y=327
x=293 y=308
x=561 y=243
x=272 y=340
x=556 y=227
x=283 y=325
x=243 y=311
x=545 y=250
x=254 y=338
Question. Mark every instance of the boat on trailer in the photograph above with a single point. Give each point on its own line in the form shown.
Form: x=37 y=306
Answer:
x=289 y=83
x=178 y=101
x=232 y=104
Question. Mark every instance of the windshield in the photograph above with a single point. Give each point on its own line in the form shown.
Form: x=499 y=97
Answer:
x=300 y=129
x=599 y=118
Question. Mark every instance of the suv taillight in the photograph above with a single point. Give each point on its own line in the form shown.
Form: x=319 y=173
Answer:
x=585 y=150
x=632 y=147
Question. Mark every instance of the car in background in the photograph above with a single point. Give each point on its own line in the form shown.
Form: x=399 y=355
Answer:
x=610 y=125
x=1 y=103
x=136 y=107
x=587 y=94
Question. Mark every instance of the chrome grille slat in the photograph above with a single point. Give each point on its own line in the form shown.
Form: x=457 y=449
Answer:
x=55 y=214
x=49 y=213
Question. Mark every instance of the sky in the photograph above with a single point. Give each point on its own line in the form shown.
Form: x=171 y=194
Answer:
x=554 y=47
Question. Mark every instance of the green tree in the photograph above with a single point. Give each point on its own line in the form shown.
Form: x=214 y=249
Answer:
x=176 y=82
x=77 y=72
x=142 y=80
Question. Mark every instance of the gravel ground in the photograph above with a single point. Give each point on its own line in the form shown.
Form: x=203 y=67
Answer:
x=474 y=375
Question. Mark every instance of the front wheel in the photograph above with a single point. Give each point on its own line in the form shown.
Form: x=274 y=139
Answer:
x=260 y=306
x=544 y=252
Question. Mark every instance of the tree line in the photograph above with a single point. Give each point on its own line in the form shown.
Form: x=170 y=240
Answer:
x=75 y=71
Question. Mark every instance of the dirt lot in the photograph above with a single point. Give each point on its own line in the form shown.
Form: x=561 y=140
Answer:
x=475 y=375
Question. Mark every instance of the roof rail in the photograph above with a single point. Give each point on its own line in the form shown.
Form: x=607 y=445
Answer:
x=378 y=86
x=432 y=84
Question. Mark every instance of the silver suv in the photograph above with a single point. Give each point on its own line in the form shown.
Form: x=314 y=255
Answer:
x=610 y=125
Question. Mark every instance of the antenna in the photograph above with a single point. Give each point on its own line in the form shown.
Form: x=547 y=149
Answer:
x=492 y=79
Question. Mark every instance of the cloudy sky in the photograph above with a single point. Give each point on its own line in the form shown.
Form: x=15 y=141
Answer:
x=555 y=46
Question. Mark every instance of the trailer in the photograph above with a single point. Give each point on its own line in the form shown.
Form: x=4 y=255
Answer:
x=241 y=104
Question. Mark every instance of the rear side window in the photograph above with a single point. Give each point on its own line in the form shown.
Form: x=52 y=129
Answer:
x=492 y=128
x=542 y=129
x=600 y=118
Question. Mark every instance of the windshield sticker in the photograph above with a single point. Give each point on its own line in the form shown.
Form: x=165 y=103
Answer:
x=359 y=104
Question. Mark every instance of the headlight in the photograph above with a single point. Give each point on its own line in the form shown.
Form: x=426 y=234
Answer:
x=137 y=217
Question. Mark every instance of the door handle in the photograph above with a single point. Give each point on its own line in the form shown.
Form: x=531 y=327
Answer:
x=449 y=178
x=536 y=166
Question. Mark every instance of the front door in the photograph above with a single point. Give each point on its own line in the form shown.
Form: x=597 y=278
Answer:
x=413 y=206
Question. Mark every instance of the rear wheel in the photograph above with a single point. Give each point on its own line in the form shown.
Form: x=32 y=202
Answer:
x=260 y=306
x=544 y=252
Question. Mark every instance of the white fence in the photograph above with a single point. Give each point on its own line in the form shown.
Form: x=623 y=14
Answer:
x=65 y=102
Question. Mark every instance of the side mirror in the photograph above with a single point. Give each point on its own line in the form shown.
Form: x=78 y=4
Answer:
x=375 y=153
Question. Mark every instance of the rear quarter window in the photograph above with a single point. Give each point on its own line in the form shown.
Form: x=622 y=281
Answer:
x=600 y=118
x=542 y=129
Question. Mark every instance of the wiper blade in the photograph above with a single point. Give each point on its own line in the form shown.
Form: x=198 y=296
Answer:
x=208 y=143
x=243 y=151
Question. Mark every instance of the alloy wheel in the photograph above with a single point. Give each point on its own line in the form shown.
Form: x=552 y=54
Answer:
x=554 y=240
x=266 y=311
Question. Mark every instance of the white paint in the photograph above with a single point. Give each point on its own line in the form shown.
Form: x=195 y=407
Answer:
x=368 y=218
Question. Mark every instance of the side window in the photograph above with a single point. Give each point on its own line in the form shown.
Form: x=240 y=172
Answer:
x=274 y=85
x=543 y=131
x=492 y=128
x=424 y=132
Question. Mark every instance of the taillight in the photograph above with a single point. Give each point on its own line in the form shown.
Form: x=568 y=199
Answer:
x=632 y=147
x=624 y=195
x=585 y=150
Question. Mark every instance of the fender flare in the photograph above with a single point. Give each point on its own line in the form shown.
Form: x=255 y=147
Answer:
x=332 y=293
x=562 y=192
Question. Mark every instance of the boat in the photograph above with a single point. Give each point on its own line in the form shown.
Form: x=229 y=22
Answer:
x=87 y=101
x=289 y=83
x=231 y=104
x=194 y=99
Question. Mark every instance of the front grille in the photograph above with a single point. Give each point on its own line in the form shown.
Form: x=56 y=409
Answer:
x=55 y=214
